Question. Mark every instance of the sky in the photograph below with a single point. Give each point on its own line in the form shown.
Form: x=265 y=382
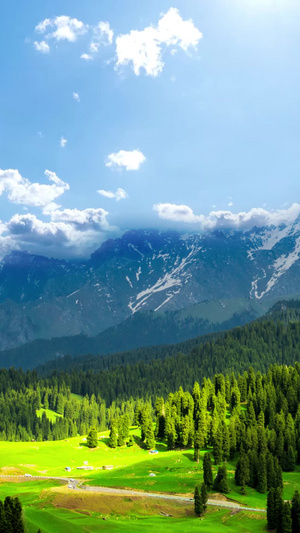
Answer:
x=165 y=114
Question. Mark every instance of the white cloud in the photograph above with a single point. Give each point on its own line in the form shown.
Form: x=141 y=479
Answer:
x=103 y=34
x=64 y=28
x=130 y=160
x=120 y=194
x=42 y=46
x=20 y=190
x=63 y=141
x=69 y=232
x=226 y=219
x=177 y=213
x=87 y=57
x=76 y=97
x=143 y=49
x=92 y=218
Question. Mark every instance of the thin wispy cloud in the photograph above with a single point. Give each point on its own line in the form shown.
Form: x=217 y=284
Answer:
x=42 y=46
x=120 y=194
x=63 y=141
x=86 y=57
x=76 y=97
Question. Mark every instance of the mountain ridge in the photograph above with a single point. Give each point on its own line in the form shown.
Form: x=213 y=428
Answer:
x=144 y=270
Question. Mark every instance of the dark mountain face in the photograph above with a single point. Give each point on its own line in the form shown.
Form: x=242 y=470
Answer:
x=144 y=270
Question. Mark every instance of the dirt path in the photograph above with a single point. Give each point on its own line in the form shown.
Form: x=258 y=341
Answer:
x=75 y=484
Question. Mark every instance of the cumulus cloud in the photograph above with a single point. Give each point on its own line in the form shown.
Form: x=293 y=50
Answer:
x=69 y=232
x=42 y=46
x=64 y=232
x=120 y=194
x=226 y=219
x=143 y=49
x=130 y=160
x=83 y=220
x=62 y=28
x=76 y=97
x=63 y=141
x=20 y=190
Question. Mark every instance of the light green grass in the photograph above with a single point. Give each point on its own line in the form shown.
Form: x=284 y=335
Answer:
x=59 y=520
x=51 y=415
x=39 y=512
x=176 y=472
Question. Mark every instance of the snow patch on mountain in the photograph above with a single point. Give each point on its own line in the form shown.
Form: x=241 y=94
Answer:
x=280 y=267
x=169 y=280
x=269 y=239
x=138 y=273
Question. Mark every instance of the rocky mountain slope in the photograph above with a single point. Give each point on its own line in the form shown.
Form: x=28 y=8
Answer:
x=144 y=270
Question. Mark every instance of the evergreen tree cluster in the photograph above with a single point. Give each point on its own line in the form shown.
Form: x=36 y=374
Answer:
x=282 y=516
x=22 y=394
x=200 y=499
x=11 y=519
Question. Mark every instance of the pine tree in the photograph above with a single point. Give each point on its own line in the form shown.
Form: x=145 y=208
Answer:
x=271 y=509
x=278 y=509
x=207 y=470
x=296 y=512
x=17 y=521
x=218 y=446
x=130 y=441
x=160 y=418
x=8 y=509
x=92 y=438
x=220 y=483
x=198 y=505
x=290 y=460
x=204 y=496
x=196 y=454
x=242 y=472
x=123 y=429
x=149 y=436
x=286 y=519
x=113 y=436
x=262 y=474
x=3 y=524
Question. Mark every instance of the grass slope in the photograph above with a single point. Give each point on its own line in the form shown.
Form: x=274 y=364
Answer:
x=53 y=509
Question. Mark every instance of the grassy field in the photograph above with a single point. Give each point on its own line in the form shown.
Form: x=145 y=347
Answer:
x=175 y=472
x=54 y=509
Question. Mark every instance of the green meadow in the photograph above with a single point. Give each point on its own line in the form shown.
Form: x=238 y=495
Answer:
x=53 y=509
x=67 y=510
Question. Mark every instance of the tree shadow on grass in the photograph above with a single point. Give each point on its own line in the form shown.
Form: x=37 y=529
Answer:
x=190 y=456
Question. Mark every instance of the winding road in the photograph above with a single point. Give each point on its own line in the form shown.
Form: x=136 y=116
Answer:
x=76 y=484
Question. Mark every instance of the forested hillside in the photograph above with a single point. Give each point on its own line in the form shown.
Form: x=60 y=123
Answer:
x=140 y=330
x=92 y=391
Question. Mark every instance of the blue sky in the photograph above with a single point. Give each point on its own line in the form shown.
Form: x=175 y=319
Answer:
x=184 y=114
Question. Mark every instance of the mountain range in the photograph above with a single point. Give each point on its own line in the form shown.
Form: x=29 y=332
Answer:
x=158 y=274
